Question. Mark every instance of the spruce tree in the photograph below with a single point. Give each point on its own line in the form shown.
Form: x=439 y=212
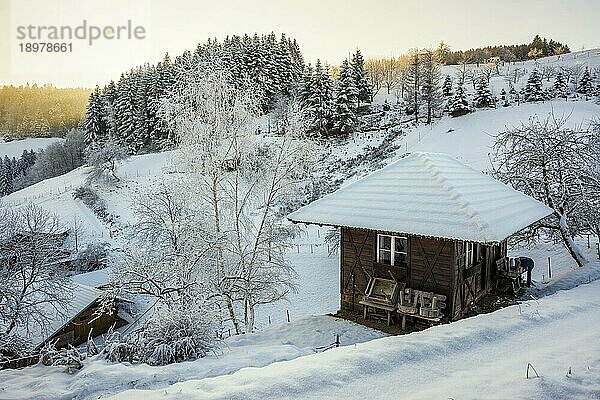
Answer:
x=504 y=98
x=361 y=82
x=483 y=96
x=560 y=87
x=447 y=86
x=319 y=103
x=95 y=127
x=4 y=184
x=586 y=84
x=344 y=118
x=7 y=176
x=125 y=109
x=109 y=97
x=534 y=90
x=459 y=105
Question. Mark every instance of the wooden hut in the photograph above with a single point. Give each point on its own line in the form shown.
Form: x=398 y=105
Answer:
x=428 y=222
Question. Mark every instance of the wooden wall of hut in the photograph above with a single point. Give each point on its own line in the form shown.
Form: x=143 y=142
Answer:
x=436 y=265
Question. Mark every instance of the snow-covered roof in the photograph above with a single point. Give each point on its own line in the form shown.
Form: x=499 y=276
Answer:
x=82 y=297
x=94 y=279
x=428 y=194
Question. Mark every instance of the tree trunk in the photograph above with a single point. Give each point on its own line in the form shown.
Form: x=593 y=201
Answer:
x=570 y=244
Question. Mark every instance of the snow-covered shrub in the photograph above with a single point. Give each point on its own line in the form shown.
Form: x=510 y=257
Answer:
x=70 y=358
x=92 y=257
x=177 y=335
x=119 y=348
x=171 y=335
x=13 y=346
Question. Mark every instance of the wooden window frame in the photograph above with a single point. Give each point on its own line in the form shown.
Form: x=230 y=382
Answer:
x=472 y=254
x=392 y=249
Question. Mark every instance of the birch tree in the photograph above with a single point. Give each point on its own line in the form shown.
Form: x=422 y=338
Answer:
x=242 y=179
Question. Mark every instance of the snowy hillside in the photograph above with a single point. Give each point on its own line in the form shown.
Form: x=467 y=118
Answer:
x=479 y=357
x=15 y=148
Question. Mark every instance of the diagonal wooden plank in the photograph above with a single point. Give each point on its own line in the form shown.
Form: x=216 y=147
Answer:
x=358 y=252
x=429 y=265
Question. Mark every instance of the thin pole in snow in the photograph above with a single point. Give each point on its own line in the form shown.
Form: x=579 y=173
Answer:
x=588 y=240
x=549 y=269
x=288 y=315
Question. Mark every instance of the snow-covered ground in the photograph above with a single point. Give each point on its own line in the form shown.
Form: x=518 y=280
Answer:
x=15 y=148
x=481 y=357
x=285 y=341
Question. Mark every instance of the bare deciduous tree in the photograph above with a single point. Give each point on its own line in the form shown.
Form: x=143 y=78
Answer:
x=552 y=163
x=104 y=158
x=33 y=289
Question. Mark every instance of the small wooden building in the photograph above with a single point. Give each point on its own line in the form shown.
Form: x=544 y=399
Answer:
x=80 y=320
x=427 y=220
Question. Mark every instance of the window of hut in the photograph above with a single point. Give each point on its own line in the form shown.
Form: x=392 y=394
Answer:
x=392 y=250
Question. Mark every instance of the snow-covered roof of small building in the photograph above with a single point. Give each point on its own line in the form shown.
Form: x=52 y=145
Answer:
x=95 y=279
x=428 y=194
x=82 y=297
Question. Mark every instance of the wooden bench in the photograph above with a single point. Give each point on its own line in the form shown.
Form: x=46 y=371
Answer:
x=426 y=306
x=381 y=294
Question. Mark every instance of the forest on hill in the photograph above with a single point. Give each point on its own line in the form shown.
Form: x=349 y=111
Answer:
x=40 y=111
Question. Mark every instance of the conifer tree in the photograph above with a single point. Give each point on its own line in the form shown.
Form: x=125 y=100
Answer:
x=504 y=98
x=320 y=99
x=344 y=118
x=534 y=90
x=6 y=178
x=4 y=183
x=586 y=85
x=560 y=87
x=125 y=110
x=109 y=97
x=94 y=123
x=459 y=104
x=483 y=96
x=447 y=86
x=361 y=81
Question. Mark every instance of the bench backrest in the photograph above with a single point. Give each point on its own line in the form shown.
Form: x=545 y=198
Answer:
x=382 y=290
x=424 y=298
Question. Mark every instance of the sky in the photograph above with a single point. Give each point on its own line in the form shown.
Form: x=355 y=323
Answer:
x=325 y=29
